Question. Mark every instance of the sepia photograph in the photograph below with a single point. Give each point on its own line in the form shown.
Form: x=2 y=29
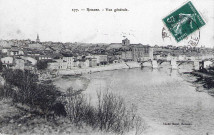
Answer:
x=106 y=67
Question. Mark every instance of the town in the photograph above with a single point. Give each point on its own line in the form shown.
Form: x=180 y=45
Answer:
x=76 y=58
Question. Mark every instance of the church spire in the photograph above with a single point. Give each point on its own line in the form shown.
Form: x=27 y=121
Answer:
x=37 y=39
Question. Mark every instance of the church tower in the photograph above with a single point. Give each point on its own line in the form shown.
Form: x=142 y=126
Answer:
x=125 y=42
x=37 y=39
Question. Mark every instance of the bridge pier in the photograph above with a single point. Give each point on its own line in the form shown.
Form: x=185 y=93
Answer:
x=196 y=65
x=174 y=64
x=154 y=64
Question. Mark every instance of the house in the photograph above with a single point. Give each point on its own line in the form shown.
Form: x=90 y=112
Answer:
x=5 y=50
x=21 y=52
x=84 y=63
x=53 y=65
x=76 y=63
x=92 y=62
x=69 y=61
x=63 y=63
x=14 y=51
x=44 y=57
x=7 y=61
x=157 y=57
x=142 y=52
x=207 y=64
x=101 y=59
x=127 y=56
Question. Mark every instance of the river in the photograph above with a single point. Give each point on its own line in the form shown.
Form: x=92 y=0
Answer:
x=166 y=99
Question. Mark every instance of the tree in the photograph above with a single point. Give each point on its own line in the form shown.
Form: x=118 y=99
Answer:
x=24 y=87
x=42 y=65
x=1 y=66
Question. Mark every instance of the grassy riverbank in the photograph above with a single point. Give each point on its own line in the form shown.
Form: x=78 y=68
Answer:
x=206 y=80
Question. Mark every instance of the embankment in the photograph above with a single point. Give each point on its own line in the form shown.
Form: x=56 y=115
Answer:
x=100 y=68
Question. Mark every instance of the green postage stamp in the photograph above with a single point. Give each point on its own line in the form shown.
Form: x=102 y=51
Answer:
x=184 y=21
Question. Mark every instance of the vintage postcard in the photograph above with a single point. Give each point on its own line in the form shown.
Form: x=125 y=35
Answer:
x=110 y=67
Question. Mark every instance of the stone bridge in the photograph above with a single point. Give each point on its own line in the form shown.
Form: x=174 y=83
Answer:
x=175 y=62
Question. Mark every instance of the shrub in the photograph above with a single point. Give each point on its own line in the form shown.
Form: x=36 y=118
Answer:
x=111 y=114
x=76 y=106
x=42 y=64
x=24 y=87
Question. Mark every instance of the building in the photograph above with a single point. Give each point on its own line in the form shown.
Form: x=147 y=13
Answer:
x=69 y=62
x=127 y=56
x=15 y=51
x=63 y=63
x=5 y=50
x=54 y=65
x=7 y=61
x=126 y=42
x=101 y=59
x=207 y=64
x=84 y=63
x=138 y=52
x=92 y=62
x=142 y=52
x=44 y=57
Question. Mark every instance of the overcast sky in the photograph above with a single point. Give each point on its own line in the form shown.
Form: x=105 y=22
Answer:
x=54 y=20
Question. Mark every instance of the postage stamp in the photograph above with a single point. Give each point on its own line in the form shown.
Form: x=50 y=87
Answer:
x=191 y=40
x=184 y=21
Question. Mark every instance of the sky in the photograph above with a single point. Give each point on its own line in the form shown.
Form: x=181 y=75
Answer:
x=55 y=20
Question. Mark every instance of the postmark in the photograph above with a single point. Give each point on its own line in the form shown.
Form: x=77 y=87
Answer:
x=183 y=22
x=191 y=40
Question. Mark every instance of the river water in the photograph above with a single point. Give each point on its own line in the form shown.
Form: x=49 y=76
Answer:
x=166 y=99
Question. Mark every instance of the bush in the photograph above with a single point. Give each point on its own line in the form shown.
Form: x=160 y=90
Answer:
x=24 y=87
x=42 y=65
x=111 y=113
x=76 y=106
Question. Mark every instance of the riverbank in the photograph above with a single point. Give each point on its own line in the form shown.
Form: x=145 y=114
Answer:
x=205 y=75
x=116 y=66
